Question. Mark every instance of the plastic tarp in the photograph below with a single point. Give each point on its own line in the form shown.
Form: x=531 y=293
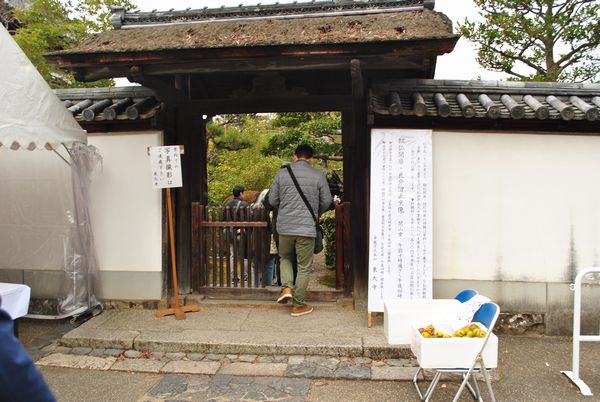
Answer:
x=31 y=116
x=52 y=222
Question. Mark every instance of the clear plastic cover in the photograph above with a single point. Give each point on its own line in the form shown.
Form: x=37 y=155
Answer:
x=81 y=260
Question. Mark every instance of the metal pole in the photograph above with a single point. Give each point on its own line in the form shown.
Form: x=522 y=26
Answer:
x=577 y=338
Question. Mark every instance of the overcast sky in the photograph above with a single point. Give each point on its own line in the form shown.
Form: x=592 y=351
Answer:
x=460 y=64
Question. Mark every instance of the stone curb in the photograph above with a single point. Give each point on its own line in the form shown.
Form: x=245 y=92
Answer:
x=295 y=366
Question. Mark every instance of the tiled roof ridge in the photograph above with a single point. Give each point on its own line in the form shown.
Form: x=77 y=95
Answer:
x=134 y=91
x=473 y=86
x=122 y=18
x=487 y=99
x=109 y=103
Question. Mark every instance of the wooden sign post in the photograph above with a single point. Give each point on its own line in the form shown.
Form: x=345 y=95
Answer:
x=166 y=173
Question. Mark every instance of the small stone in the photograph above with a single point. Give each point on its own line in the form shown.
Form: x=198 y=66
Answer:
x=132 y=354
x=175 y=356
x=280 y=358
x=232 y=357
x=143 y=365
x=362 y=360
x=296 y=359
x=62 y=349
x=247 y=358
x=113 y=352
x=214 y=357
x=81 y=351
x=76 y=361
x=49 y=348
x=353 y=372
x=397 y=362
x=265 y=359
x=97 y=352
x=196 y=357
x=325 y=361
x=308 y=371
x=191 y=367
x=378 y=363
x=158 y=355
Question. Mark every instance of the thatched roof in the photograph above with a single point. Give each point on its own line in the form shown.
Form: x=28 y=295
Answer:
x=311 y=30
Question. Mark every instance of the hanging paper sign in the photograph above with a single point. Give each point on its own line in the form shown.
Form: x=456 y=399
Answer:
x=400 y=247
x=166 y=166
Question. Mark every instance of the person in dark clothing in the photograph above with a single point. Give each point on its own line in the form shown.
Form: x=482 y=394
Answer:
x=236 y=204
x=236 y=209
x=20 y=380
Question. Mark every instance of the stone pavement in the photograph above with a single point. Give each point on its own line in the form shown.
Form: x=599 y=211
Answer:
x=529 y=367
x=294 y=366
x=257 y=339
x=529 y=370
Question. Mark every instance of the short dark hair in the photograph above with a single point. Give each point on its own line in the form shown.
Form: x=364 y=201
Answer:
x=304 y=151
x=237 y=190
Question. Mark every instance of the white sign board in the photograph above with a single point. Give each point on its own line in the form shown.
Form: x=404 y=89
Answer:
x=400 y=245
x=166 y=166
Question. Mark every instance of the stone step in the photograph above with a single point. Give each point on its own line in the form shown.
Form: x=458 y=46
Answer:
x=239 y=328
x=223 y=342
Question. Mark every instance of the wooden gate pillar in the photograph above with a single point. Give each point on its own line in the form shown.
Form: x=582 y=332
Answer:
x=190 y=133
x=357 y=160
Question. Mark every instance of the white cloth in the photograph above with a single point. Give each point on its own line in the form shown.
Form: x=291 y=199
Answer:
x=31 y=116
x=14 y=299
x=467 y=311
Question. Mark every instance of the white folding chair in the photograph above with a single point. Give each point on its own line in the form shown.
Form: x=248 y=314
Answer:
x=487 y=315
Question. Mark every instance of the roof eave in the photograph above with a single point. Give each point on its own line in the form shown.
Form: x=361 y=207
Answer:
x=98 y=65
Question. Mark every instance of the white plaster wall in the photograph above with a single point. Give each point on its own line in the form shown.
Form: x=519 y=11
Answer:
x=519 y=207
x=125 y=208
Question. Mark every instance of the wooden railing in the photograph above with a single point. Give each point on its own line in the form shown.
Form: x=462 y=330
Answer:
x=229 y=251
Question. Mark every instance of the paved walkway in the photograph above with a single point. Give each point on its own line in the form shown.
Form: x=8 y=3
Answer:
x=529 y=368
x=259 y=339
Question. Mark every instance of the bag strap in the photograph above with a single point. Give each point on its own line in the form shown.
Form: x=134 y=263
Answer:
x=302 y=194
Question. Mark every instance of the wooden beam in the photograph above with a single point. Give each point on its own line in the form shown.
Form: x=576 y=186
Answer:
x=392 y=62
x=163 y=90
x=507 y=126
x=113 y=126
x=273 y=104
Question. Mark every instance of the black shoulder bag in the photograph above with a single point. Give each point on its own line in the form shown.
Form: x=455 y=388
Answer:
x=318 y=228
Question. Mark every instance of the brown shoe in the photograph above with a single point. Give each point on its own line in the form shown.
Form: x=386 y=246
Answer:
x=302 y=310
x=284 y=295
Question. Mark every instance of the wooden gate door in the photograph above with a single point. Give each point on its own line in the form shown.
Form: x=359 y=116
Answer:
x=229 y=251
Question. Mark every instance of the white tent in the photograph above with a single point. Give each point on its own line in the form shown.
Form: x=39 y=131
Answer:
x=32 y=117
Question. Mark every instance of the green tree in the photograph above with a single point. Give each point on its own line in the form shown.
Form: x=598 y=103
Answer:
x=53 y=25
x=235 y=157
x=320 y=130
x=553 y=40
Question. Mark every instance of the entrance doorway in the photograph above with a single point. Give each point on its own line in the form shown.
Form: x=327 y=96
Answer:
x=232 y=249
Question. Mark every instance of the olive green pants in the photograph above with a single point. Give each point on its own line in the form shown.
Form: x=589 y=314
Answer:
x=304 y=247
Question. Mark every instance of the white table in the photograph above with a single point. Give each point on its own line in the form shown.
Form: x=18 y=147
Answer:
x=400 y=315
x=14 y=299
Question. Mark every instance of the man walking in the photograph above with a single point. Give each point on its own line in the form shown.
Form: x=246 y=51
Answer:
x=295 y=223
x=236 y=209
